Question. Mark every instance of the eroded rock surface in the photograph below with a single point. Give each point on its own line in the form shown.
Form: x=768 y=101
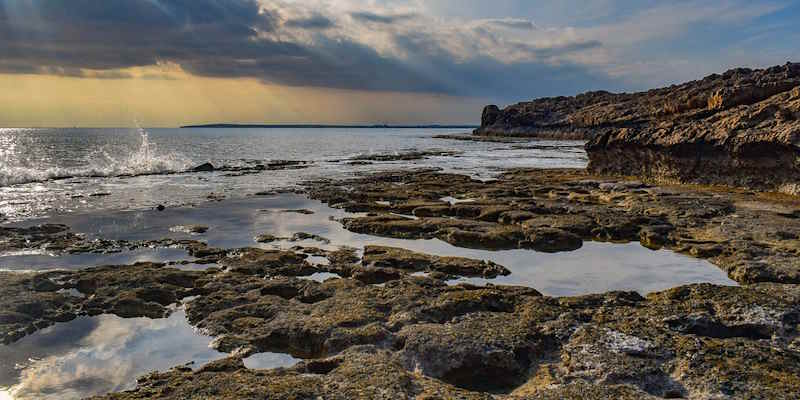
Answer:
x=417 y=337
x=753 y=145
x=404 y=156
x=393 y=258
x=49 y=238
x=383 y=332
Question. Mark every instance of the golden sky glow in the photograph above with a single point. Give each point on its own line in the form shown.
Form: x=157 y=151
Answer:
x=162 y=96
x=170 y=62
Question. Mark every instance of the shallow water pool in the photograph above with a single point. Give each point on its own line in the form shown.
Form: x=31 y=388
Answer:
x=96 y=355
x=594 y=268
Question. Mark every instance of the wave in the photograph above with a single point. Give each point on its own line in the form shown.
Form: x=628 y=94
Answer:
x=145 y=161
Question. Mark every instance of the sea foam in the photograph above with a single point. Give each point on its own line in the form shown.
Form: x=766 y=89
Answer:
x=147 y=160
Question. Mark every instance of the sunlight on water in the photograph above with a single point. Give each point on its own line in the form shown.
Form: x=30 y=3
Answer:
x=100 y=162
x=53 y=171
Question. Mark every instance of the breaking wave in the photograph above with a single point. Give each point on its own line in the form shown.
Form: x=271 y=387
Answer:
x=147 y=160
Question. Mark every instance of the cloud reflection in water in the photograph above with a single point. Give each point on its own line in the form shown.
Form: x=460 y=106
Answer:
x=95 y=355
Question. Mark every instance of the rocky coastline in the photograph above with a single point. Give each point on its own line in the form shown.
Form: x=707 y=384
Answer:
x=386 y=322
x=390 y=326
x=739 y=128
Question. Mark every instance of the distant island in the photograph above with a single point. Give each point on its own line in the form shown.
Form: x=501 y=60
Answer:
x=316 y=126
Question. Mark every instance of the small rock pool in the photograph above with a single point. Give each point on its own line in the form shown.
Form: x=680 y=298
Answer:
x=96 y=355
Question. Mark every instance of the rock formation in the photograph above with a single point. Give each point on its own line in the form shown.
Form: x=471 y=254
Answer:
x=740 y=128
x=392 y=326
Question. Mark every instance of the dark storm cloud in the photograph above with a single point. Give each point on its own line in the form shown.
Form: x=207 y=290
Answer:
x=311 y=23
x=123 y=33
x=337 y=64
x=486 y=76
x=232 y=38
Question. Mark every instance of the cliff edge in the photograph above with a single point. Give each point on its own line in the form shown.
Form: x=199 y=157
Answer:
x=740 y=128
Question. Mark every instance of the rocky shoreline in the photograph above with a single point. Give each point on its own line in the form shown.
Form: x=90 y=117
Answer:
x=392 y=327
x=739 y=128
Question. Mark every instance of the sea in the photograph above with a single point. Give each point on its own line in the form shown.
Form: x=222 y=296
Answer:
x=45 y=172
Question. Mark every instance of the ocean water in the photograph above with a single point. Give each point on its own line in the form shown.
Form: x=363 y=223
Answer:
x=46 y=172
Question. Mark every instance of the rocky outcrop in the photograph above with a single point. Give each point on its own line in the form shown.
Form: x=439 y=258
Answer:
x=755 y=146
x=739 y=128
x=417 y=337
x=543 y=118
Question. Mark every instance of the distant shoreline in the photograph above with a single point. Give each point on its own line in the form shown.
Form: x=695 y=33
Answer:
x=317 y=126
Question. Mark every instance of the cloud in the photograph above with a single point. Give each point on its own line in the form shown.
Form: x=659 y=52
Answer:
x=373 y=45
x=84 y=34
x=313 y=22
x=513 y=23
x=366 y=16
x=242 y=38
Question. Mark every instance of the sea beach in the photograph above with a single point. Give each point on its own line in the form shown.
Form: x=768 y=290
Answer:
x=355 y=199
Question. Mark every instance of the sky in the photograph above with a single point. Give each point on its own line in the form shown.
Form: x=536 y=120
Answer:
x=177 y=62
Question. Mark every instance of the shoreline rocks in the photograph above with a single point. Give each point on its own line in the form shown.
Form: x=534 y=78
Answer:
x=33 y=301
x=382 y=332
x=754 y=146
x=740 y=128
x=404 y=156
x=416 y=337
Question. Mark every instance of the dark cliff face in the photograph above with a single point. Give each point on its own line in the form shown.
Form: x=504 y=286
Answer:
x=739 y=128
x=490 y=115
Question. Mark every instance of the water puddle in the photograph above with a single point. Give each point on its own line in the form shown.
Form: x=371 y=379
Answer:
x=95 y=355
x=42 y=262
x=270 y=361
x=318 y=260
x=320 y=276
x=454 y=201
x=597 y=268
